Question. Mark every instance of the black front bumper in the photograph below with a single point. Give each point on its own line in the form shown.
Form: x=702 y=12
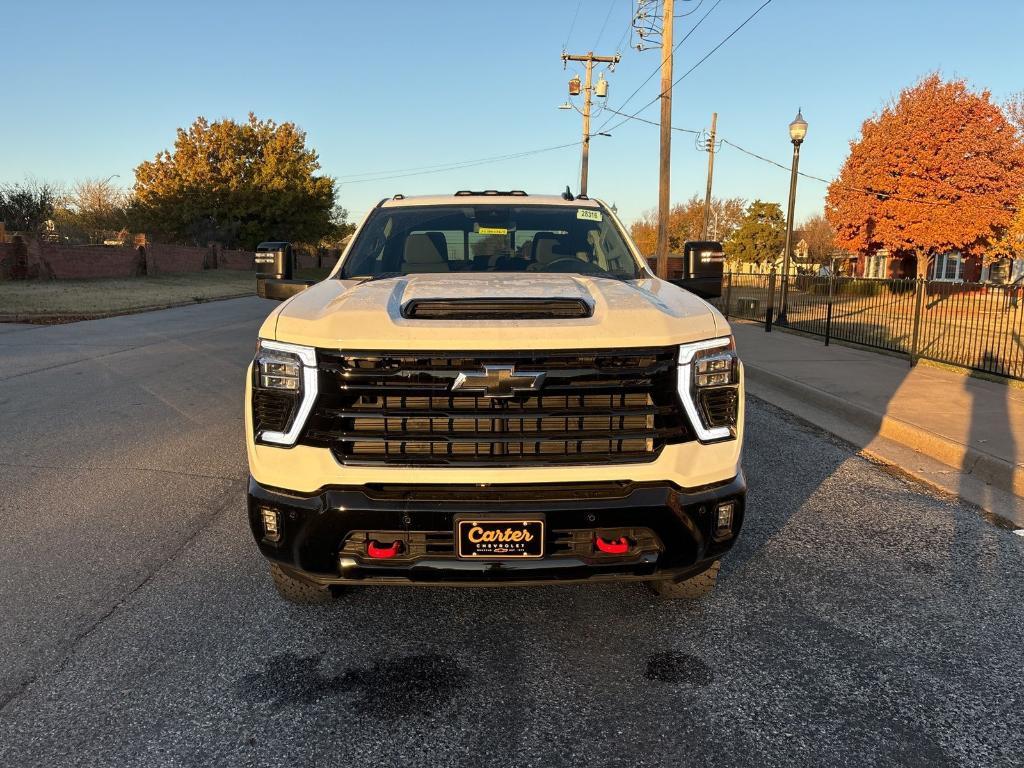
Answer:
x=323 y=536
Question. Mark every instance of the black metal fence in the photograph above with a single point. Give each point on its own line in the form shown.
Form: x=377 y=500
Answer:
x=974 y=325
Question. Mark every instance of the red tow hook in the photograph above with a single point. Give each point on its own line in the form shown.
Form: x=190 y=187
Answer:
x=619 y=546
x=377 y=550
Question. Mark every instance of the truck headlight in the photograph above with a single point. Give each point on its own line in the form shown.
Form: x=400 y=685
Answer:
x=278 y=370
x=284 y=387
x=709 y=379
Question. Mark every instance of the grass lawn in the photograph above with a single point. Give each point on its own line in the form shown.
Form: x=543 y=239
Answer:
x=57 y=300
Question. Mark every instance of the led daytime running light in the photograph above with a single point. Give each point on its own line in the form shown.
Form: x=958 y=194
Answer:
x=284 y=372
x=687 y=379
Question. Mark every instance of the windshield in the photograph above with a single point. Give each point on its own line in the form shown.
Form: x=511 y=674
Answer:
x=490 y=238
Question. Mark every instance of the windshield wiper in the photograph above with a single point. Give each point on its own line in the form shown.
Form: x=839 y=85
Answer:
x=380 y=276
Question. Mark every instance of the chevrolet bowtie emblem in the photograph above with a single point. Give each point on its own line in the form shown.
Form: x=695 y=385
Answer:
x=498 y=381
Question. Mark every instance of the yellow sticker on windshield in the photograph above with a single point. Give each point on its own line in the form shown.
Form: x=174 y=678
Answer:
x=589 y=214
x=492 y=231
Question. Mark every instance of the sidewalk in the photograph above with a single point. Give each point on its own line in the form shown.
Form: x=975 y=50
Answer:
x=961 y=434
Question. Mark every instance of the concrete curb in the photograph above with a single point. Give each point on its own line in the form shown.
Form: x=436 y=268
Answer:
x=60 y=318
x=993 y=470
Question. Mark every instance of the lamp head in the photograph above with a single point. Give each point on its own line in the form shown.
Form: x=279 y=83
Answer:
x=798 y=128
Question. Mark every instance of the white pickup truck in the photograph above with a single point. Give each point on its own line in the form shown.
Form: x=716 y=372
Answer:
x=492 y=388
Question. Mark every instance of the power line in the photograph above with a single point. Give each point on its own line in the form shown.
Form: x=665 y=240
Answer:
x=572 y=26
x=658 y=68
x=627 y=30
x=451 y=163
x=652 y=122
x=611 y=5
x=691 y=69
x=865 y=190
x=657 y=15
x=425 y=170
x=833 y=182
x=695 y=9
x=724 y=41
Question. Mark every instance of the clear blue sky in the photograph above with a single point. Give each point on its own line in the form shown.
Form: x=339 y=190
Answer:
x=92 y=89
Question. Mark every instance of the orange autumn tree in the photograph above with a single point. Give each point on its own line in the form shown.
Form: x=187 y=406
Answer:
x=939 y=169
x=686 y=221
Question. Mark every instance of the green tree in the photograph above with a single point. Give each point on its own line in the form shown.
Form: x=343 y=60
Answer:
x=340 y=228
x=761 y=235
x=236 y=183
x=26 y=206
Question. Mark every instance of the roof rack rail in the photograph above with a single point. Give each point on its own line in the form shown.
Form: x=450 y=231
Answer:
x=399 y=196
x=491 y=193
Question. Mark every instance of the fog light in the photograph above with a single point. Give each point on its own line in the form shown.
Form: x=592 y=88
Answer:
x=271 y=524
x=725 y=512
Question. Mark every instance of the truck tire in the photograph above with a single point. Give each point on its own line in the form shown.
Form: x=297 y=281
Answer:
x=298 y=591
x=701 y=585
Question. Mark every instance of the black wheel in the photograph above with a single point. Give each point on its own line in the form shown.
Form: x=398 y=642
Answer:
x=298 y=591
x=701 y=585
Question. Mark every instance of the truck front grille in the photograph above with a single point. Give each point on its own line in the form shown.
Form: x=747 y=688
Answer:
x=589 y=407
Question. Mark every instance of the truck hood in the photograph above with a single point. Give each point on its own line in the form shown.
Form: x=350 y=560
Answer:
x=367 y=315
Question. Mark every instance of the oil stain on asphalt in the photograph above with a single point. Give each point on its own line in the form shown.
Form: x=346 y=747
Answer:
x=672 y=667
x=428 y=681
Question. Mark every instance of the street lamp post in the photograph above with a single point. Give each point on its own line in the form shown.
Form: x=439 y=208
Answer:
x=797 y=131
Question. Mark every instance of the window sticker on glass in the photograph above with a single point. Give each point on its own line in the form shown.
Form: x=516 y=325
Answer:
x=589 y=214
x=493 y=231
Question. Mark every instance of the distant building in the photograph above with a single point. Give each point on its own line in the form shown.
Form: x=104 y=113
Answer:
x=949 y=267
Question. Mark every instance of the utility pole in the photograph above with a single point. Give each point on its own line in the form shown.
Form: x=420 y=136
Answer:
x=588 y=91
x=711 y=173
x=665 y=165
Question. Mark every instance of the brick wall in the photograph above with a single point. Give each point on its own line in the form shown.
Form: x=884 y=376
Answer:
x=324 y=258
x=70 y=262
x=166 y=259
x=235 y=260
x=6 y=259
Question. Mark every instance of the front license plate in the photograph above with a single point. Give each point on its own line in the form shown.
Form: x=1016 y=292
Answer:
x=499 y=539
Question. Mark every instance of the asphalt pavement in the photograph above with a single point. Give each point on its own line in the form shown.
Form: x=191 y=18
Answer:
x=861 y=620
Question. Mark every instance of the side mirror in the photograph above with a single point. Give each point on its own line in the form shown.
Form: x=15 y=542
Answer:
x=702 y=268
x=705 y=287
x=279 y=290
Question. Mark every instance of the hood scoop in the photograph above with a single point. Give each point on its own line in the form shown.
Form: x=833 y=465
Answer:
x=497 y=309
